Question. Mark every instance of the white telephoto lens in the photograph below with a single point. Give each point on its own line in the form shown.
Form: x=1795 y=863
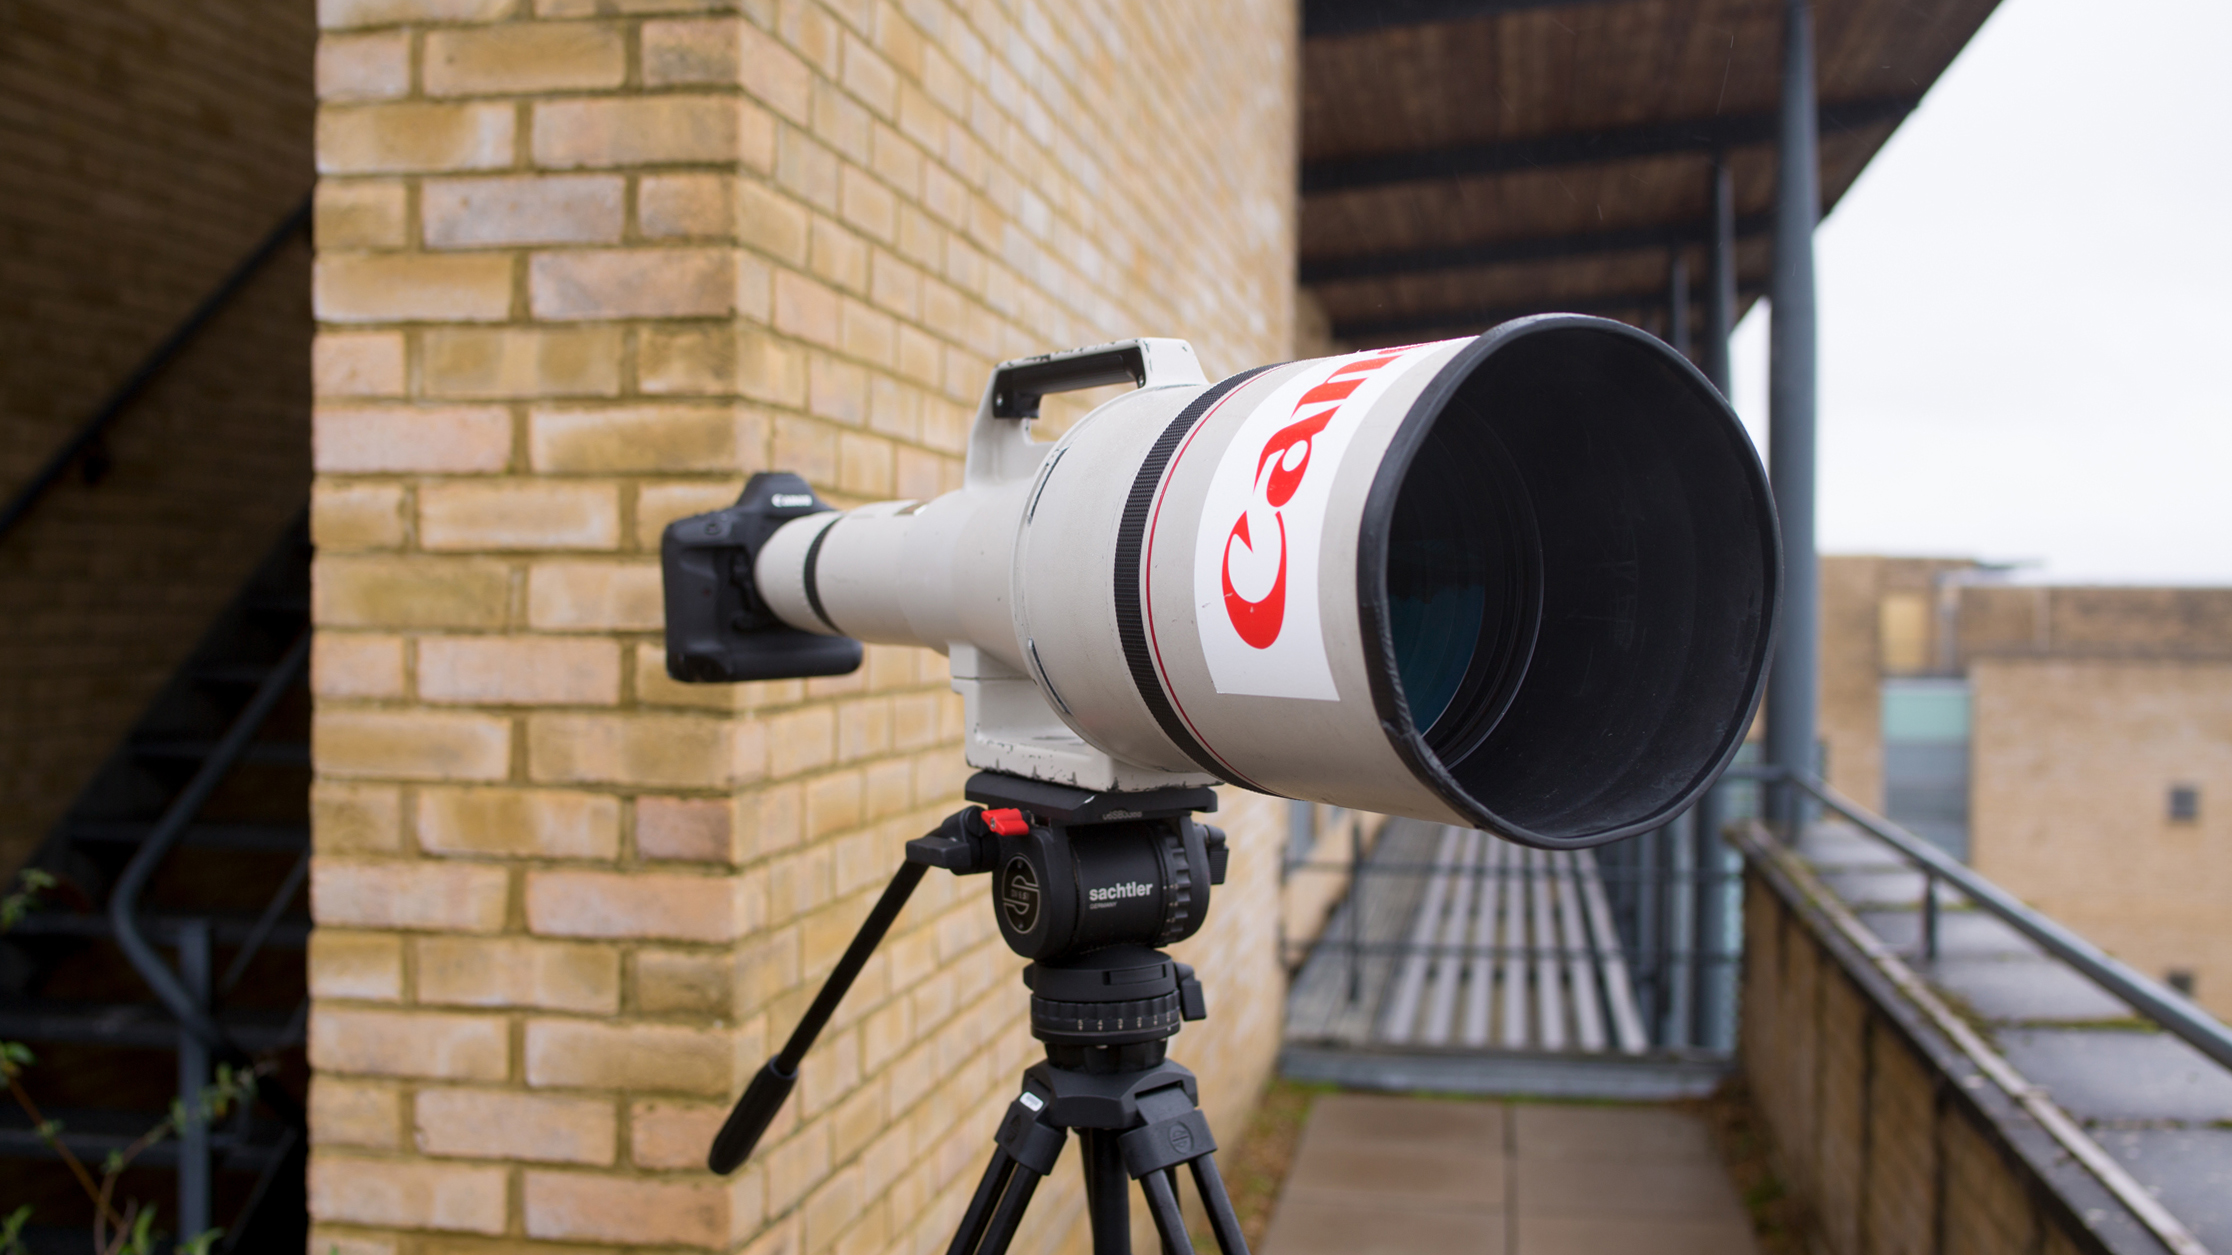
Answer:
x=1525 y=581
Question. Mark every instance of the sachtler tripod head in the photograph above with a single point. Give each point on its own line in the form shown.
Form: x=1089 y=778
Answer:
x=1088 y=885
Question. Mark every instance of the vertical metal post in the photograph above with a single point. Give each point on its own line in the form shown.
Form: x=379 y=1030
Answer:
x=1929 y=917
x=1720 y=285
x=1356 y=914
x=1716 y=984
x=1650 y=896
x=1791 y=696
x=1678 y=302
x=193 y=1076
x=1681 y=932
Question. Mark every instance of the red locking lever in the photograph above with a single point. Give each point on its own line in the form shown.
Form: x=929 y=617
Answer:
x=1007 y=823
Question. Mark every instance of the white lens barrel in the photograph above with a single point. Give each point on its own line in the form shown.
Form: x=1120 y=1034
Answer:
x=1524 y=581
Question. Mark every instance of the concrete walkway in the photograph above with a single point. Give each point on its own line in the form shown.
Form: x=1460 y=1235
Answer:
x=1411 y=1176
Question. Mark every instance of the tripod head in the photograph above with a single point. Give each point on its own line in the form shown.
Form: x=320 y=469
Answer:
x=1088 y=884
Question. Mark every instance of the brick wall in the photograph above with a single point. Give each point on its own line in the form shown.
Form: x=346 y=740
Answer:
x=151 y=145
x=1889 y=1139
x=2072 y=761
x=582 y=266
x=1852 y=676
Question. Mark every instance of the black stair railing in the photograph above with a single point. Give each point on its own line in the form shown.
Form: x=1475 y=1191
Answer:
x=187 y=992
x=149 y=888
x=85 y=443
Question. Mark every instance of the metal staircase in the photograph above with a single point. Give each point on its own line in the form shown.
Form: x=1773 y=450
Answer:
x=174 y=941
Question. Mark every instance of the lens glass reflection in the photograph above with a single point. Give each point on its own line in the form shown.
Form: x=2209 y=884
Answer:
x=1436 y=622
x=1460 y=583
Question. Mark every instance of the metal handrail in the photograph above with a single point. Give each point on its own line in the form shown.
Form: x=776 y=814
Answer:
x=2154 y=1001
x=1779 y=863
x=124 y=901
x=90 y=432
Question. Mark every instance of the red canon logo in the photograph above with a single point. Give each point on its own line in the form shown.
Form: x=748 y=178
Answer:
x=1285 y=459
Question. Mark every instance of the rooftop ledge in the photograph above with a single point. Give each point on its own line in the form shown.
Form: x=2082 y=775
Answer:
x=1988 y=1096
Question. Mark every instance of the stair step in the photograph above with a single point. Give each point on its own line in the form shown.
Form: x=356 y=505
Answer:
x=289 y=933
x=290 y=837
x=195 y=749
x=136 y=1024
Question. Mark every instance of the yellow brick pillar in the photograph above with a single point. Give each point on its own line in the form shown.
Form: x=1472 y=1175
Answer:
x=582 y=265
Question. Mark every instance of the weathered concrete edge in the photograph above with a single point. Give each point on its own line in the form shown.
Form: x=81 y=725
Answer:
x=1616 y=1077
x=2067 y=1188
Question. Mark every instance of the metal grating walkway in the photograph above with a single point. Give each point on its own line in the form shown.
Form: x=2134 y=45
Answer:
x=1454 y=939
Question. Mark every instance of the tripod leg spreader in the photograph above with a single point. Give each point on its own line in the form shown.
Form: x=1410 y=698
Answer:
x=1177 y=1133
x=1027 y=1147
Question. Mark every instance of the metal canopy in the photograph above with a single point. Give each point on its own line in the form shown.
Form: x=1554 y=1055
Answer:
x=1465 y=161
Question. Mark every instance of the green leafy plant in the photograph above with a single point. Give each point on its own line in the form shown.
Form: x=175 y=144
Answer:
x=31 y=885
x=126 y=1228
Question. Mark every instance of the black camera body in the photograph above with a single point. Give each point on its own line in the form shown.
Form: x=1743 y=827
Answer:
x=718 y=628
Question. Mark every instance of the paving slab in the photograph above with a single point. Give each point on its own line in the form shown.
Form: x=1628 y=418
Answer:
x=1307 y=1226
x=2190 y=1170
x=1961 y=934
x=1834 y=845
x=1656 y=1235
x=1636 y=1188
x=1883 y=886
x=1475 y=1128
x=1424 y=1177
x=1379 y=1173
x=2154 y=1102
x=1557 y=1131
x=2021 y=990
x=2106 y=1075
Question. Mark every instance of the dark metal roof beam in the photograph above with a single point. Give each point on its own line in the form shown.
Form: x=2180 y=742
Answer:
x=1350 y=17
x=1505 y=252
x=1484 y=318
x=1695 y=135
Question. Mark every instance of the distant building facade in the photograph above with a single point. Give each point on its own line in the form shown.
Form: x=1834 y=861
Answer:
x=2074 y=744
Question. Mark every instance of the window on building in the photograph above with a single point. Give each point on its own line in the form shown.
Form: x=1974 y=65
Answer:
x=2180 y=979
x=2185 y=803
x=1926 y=759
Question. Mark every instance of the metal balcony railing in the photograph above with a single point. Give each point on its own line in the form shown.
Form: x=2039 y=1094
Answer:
x=1941 y=874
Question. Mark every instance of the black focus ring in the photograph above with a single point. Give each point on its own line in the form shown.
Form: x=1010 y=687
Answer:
x=1105 y=1023
x=1131 y=543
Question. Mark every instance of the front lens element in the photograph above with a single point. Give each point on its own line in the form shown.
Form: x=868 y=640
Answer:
x=1459 y=584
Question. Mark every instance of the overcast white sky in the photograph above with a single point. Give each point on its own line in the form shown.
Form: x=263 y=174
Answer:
x=2026 y=306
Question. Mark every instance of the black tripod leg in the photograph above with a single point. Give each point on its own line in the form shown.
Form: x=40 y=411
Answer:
x=1171 y=1175
x=988 y=1194
x=1107 y=1202
x=1028 y=1148
x=1009 y=1214
x=1162 y=1204
x=1223 y=1221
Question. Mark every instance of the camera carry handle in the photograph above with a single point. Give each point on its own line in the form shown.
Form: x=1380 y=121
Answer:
x=1000 y=447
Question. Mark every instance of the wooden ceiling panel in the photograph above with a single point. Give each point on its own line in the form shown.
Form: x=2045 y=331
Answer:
x=1522 y=135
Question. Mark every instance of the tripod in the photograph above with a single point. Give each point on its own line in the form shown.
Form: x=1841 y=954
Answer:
x=1088 y=885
